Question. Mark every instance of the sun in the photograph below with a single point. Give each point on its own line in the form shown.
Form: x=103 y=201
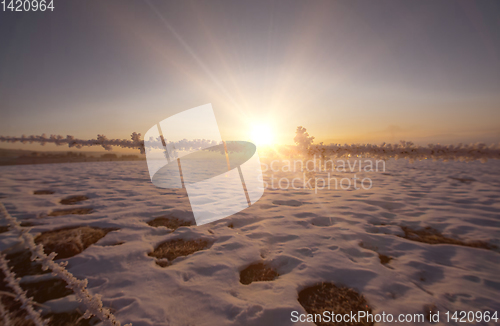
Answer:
x=262 y=135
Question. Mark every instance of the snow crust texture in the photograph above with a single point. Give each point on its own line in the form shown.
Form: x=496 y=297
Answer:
x=336 y=236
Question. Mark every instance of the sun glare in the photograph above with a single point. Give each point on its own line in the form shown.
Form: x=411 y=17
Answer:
x=262 y=135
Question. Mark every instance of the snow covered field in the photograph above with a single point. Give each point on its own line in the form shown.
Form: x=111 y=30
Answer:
x=332 y=236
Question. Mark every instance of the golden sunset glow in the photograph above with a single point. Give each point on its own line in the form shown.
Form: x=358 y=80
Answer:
x=262 y=135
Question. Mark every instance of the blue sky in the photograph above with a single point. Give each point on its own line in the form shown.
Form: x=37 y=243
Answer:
x=348 y=71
